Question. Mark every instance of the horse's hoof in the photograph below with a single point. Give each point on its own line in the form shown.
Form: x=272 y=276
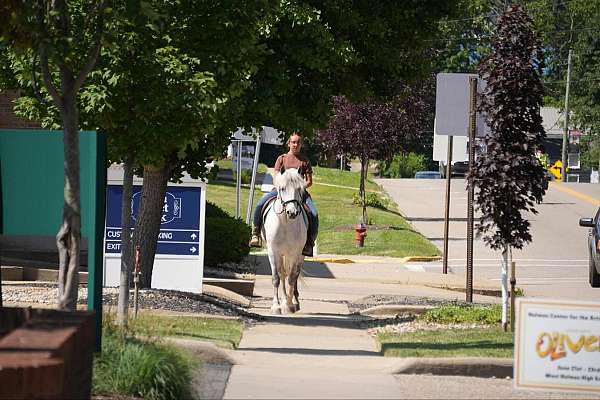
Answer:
x=276 y=310
x=297 y=307
x=285 y=309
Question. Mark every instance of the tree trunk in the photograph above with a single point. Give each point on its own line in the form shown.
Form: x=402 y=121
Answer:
x=148 y=219
x=364 y=165
x=68 y=238
x=126 y=247
x=506 y=261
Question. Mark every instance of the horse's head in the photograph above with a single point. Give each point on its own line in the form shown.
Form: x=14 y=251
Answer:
x=290 y=191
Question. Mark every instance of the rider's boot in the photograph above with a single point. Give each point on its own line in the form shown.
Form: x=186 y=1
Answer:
x=308 y=248
x=255 y=239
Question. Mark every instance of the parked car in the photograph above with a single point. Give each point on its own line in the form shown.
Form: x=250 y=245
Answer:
x=428 y=175
x=593 y=247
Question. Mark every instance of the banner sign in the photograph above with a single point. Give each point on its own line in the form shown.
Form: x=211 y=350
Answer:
x=180 y=221
x=557 y=345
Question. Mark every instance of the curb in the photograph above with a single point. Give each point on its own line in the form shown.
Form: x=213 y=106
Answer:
x=493 y=292
x=394 y=310
x=225 y=294
x=420 y=259
x=460 y=366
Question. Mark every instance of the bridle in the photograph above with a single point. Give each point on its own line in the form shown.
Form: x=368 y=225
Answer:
x=284 y=203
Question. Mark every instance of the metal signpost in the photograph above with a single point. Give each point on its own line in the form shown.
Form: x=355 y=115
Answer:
x=456 y=115
x=179 y=260
x=253 y=181
x=471 y=189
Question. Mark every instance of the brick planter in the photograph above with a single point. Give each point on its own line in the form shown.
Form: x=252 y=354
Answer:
x=45 y=354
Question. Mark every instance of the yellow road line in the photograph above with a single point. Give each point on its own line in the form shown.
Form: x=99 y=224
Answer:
x=574 y=193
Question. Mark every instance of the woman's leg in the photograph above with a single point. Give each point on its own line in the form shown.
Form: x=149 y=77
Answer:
x=314 y=226
x=257 y=218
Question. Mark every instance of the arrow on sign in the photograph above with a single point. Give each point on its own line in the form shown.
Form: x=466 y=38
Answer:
x=193 y=249
x=194 y=236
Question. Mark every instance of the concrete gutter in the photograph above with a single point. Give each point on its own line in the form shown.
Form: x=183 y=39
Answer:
x=463 y=366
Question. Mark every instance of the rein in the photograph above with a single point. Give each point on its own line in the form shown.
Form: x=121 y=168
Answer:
x=284 y=203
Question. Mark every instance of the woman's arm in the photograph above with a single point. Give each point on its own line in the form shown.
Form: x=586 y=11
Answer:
x=308 y=179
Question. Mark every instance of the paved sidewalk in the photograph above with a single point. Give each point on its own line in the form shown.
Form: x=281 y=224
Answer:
x=324 y=352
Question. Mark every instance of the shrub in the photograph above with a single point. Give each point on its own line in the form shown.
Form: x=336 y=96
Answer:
x=132 y=367
x=226 y=237
x=246 y=176
x=403 y=165
x=372 y=200
x=212 y=174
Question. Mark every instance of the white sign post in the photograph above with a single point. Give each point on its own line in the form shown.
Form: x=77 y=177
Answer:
x=557 y=345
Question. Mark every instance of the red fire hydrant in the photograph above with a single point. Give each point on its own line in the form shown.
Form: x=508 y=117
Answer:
x=360 y=232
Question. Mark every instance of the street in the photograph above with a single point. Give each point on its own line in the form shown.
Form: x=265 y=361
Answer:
x=554 y=264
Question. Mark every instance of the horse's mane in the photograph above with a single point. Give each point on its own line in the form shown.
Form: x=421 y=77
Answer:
x=290 y=179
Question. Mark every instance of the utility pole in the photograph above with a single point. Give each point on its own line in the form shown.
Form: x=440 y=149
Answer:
x=565 y=141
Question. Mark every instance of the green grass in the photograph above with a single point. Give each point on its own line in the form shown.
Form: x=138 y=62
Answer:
x=487 y=342
x=333 y=176
x=480 y=342
x=338 y=215
x=228 y=164
x=223 y=332
x=132 y=367
x=464 y=314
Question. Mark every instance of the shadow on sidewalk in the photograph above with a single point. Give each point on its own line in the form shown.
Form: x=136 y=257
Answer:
x=315 y=352
x=328 y=320
x=313 y=269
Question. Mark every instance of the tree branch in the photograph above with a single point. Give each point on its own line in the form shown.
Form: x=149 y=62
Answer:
x=47 y=76
x=93 y=54
x=34 y=83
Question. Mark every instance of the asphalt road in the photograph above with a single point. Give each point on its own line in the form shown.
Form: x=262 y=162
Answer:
x=554 y=264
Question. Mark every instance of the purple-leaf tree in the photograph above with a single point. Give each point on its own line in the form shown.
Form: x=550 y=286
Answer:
x=373 y=131
x=509 y=178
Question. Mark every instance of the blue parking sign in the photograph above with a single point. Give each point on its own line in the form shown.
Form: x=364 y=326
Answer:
x=179 y=233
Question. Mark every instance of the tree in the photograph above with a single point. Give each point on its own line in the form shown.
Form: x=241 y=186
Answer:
x=64 y=38
x=509 y=178
x=372 y=130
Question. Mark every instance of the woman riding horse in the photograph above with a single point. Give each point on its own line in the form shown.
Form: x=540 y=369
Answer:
x=292 y=159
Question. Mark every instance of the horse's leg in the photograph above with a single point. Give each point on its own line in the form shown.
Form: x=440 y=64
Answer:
x=296 y=296
x=292 y=299
x=275 y=261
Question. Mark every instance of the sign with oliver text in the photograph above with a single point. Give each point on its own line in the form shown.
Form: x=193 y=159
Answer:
x=557 y=345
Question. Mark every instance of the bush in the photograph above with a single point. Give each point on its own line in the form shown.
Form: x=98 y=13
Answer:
x=246 y=176
x=132 y=367
x=403 y=165
x=226 y=237
x=372 y=200
x=212 y=174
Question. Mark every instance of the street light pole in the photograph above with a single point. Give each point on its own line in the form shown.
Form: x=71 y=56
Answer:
x=565 y=140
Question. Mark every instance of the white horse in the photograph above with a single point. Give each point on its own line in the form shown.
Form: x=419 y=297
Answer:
x=284 y=233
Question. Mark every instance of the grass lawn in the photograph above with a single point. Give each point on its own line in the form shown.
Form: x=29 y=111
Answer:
x=223 y=332
x=390 y=236
x=488 y=342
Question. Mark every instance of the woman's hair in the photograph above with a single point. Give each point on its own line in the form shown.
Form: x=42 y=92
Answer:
x=295 y=134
